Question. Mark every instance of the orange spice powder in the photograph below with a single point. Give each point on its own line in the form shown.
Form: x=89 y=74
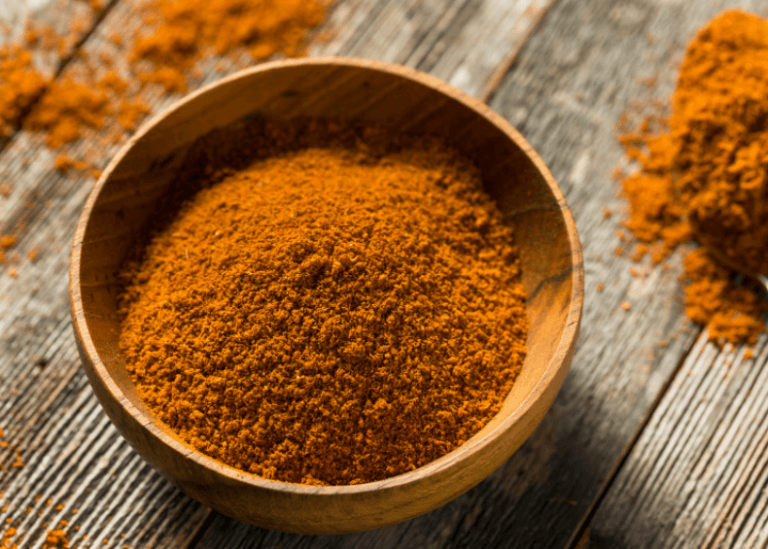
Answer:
x=347 y=309
x=707 y=163
x=181 y=33
x=91 y=96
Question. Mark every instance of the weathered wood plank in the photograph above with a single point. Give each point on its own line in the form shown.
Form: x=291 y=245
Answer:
x=698 y=475
x=72 y=18
x=624 y=43
x=72 y=454
x=636 y=513
x=565 y=92
x=463 y=42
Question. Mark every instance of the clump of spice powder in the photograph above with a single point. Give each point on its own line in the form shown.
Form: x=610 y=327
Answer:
x=174 y=38
x=52 y=87
x=182 y=33
x=342 y=309
x=704 y=174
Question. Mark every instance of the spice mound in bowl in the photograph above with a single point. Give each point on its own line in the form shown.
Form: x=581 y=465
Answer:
x=326 y=295
x=337 y=314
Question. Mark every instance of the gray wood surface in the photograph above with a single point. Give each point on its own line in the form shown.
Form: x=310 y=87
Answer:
x=646 y=445
x=575 y=78
x=74 y=459
x=698 y=475
x=589 y=75
x=463 y=42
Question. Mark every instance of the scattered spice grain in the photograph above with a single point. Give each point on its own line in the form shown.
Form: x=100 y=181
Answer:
x=7 y=241
x=334 y=313
x=33 y=255
x=57 y=537
x=6 y=541
x=708 y=163
x=90 y=95
x=179 y=34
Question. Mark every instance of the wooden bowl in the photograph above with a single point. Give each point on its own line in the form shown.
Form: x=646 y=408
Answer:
x=395 y=96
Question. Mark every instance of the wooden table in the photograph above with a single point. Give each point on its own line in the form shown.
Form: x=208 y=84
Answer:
x=658 y=439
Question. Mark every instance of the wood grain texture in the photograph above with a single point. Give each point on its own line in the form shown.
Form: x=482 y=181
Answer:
x=464 y=42
x=622 y=44
x=72 y=458
x=697 y=476
x=74 y=19
x=38 y=363
x=565 y=90
x=61 y=27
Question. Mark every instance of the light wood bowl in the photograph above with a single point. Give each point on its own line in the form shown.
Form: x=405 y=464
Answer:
x=394 y=96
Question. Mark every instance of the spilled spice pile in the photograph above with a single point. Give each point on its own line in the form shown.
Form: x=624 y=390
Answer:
x=110 y=93
x=175 y=36
x=55 y=538
x=180 y=34
x=342 y=309
x=706 y=167
x=6 y=539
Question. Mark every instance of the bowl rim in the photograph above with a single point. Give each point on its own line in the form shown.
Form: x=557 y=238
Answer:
x=445 y=463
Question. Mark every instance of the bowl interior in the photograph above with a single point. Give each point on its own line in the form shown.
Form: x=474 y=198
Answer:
x=129 y=191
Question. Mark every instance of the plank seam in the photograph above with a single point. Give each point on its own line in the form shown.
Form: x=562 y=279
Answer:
x=493 y=82
x=63 y=64
x=201 y=529
x=440 y=36
x=583 y=525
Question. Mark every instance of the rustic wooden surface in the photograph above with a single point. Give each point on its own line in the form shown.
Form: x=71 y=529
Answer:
x=646 y=445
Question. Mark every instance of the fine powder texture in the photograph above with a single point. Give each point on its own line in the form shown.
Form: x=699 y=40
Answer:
x=330 y=315
x=706 y=168
x=720 y=124
x=183 y=33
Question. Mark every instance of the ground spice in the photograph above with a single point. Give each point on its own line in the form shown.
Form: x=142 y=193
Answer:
x=110 y=92
x=181 y=33
x=720 y=125
x=6 y=540
x=21 y=86
x=7 y=241
x=707 y=164
x=338 y=312
x=176 y=36
x=57 y=537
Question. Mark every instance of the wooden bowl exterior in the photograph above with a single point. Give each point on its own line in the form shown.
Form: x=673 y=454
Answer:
x=394 y=96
